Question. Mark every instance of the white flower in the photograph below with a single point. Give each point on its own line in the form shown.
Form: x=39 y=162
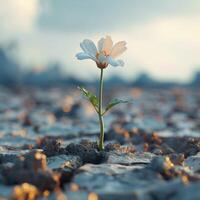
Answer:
x=105 y=54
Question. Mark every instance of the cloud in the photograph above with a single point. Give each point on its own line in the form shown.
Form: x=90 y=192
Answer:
x=91 y=16
x=17 y=17
x=167 y=47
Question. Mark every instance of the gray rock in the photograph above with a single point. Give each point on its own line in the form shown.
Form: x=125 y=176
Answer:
x=146 y=124
x=101 y=183
x=129 y=158
x=162 y=191
x=16 y=141
x=83 y=195
x=110 y=181
x=5 y=191
x=55 y=195
x=161 y=164
x=108 y=169
x=7 y=155
x=60 y=129
x=193 y=162
x=189 y=192
x=64 y=161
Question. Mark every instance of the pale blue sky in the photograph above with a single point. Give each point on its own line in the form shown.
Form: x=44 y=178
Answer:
x=163 y=37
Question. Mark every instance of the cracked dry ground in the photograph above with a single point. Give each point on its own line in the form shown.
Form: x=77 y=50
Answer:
x=48 y=148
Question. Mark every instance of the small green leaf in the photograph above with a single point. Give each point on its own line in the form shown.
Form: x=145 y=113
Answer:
x=91 y=97
x=114 y=102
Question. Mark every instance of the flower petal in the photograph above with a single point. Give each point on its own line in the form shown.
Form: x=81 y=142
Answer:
x=114 y=62
x=102 y=58
x=100 y=44
x=83 y=56
x=107 y=45
x=89 y=47
x=118 y=49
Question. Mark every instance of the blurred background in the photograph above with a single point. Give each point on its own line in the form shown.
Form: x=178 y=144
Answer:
x=47 y=129
x=39 y=40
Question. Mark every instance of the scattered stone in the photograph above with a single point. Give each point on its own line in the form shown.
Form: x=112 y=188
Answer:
x=165 y=167
x=177 y=159
x=10 y=155
x=25 y=191
x=112 y=147
x=58 y=195
x=72 y=111
x=64 y=162
x=193 y=162
x=184 y=145
x=189 y=192
x=83 y=195
x=161 y=164
x=109 y=169
x=31 y=169
x=5 y=191
x=129 y=158
x=151 y=152
x=50 y=146
x=163 y=191
x=110 y=180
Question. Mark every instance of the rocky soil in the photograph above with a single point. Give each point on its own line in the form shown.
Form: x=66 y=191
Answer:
x=48 y=146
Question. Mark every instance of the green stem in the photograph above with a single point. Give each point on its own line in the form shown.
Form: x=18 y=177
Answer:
x=101 y=122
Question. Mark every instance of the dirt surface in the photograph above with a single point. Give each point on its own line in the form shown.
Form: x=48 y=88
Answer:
x=48 y=146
